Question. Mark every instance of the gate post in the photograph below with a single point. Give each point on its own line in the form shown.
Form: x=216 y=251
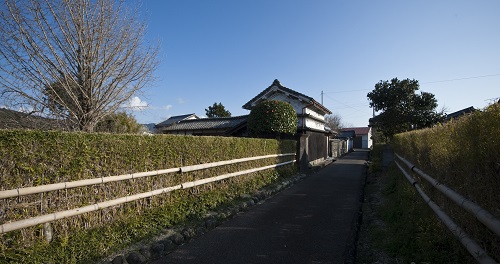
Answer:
x=303 y=155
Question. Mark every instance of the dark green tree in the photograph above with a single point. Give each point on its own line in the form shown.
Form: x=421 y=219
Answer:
x=272 y=118
x=217 y=110
x=401 y=108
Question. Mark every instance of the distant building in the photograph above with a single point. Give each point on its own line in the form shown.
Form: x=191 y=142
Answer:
x=362 y=136
x=312 y=134
x=348 y=136
x=173 y=120
x=457 y=114
x=310 y=113
x=218 y=126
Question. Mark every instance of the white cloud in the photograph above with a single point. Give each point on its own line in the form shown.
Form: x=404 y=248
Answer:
x=136 y=104
x=26 y=109
x=167 y=107
x=180 y=101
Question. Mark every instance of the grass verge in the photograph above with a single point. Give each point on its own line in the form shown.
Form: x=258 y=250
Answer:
x=398 y=227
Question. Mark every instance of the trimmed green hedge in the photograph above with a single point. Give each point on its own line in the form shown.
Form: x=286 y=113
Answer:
x=272 y=118
x=32 y=158
x=465 y=155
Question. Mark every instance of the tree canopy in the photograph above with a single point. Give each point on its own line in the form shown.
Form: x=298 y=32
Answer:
x=217 y=110
x=272 y=118
x=401 y=108
x=74 y=60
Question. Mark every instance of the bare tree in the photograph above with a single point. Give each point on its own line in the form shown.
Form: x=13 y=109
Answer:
x=77 y=60
x=334 y=122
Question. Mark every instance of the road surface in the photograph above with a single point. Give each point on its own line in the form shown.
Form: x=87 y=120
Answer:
x=314 y=221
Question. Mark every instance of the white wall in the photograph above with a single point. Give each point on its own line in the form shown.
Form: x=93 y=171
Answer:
x=298 y=106
x=350 y=144
x=311 y=123
x=366 y=140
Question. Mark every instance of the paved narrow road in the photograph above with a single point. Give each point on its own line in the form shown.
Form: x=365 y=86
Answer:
x=311 y=222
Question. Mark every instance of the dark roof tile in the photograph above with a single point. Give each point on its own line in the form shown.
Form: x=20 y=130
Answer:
x=208 y=123
x=173 y=120
x=277 y=83
x=357 y=130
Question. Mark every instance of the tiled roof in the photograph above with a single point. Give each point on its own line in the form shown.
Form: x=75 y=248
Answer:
x=462 y=112
x=357 y=130
x=277 y=83
x=173 y=120
x=208 y=123
x=347 y=133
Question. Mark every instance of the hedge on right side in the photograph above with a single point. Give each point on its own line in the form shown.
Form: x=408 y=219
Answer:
x=463 y=154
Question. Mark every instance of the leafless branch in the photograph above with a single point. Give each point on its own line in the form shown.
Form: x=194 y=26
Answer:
x=77 y=60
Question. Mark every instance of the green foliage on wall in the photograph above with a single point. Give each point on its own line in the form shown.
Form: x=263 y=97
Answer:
x=32 y=158
x=464 y=155
x=272 y=118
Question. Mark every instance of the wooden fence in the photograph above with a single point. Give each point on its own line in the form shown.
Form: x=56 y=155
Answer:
x=42 y=219
x=481 y=214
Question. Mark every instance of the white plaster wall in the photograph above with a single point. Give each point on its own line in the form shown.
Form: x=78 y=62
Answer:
x=314 y=113
x=350 y=144
x=366 y=140
x=299 y=107
x=311 y=123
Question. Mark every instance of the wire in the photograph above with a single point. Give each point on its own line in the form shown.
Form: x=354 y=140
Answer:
x=348 y=91
x=465 y=78
x=448 y=80
x=348 y=106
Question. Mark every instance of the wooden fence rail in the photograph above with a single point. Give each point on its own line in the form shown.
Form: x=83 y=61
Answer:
x=481 y=214
x=73 y=184
x=7 y=227
x=472 y=247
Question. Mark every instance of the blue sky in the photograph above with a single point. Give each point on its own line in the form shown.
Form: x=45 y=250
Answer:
x=228 y=51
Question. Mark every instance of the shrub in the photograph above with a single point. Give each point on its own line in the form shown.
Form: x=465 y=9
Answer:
x=119 y=122
x=272 y=118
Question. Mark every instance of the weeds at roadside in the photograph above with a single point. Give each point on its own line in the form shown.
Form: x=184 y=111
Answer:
x=397 y=224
